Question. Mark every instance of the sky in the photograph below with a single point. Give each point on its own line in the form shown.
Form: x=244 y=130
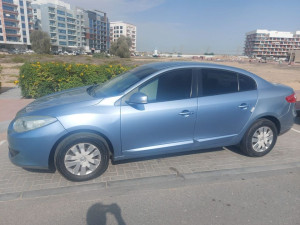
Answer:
x=198 y=26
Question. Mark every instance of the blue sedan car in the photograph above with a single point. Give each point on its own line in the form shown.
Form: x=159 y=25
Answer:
x=154 y=109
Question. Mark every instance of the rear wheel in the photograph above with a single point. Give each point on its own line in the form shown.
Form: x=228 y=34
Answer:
x=82 y=156
x=260 y=138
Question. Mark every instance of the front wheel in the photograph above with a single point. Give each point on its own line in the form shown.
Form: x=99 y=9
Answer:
x=82 y=156
x=260 y=138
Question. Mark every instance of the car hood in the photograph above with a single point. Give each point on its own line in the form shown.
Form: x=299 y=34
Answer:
x=63 y=98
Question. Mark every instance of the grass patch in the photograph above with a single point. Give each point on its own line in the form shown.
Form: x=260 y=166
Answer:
x=18 y=59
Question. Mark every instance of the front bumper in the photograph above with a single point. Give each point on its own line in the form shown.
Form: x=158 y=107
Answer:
x=32 y=149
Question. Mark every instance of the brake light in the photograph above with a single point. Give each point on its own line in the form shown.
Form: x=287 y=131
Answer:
x=291 y=98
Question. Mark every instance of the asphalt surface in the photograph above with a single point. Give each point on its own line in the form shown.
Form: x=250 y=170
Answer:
x=269 y=196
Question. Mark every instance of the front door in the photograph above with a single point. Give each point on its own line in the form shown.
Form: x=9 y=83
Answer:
x=167 y=121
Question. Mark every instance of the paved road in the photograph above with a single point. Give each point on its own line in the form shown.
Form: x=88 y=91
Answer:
x=19 y=181
x=238 y=196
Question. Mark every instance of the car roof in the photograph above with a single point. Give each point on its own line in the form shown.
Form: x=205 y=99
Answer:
x=176 y=64
x=159 y=66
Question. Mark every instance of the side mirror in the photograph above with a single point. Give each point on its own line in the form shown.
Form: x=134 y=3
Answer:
x=138 y=98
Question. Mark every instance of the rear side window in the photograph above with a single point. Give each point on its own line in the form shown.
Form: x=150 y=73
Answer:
x=217 y=82
x=246 y=83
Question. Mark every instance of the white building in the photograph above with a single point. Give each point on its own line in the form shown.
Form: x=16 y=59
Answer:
x=119 y=28
x=265 y=43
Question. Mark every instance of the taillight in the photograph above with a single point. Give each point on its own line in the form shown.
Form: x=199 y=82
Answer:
x=291 y=98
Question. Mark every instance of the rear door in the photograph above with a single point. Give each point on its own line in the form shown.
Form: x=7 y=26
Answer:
x=225 y=104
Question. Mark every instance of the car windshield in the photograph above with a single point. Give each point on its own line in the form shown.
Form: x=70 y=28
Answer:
x=122 y=82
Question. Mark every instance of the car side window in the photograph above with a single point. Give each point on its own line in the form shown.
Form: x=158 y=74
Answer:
x=246 y=83
x=217 y=82
x=170 y=86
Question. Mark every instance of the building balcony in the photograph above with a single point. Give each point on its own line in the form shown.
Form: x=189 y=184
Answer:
x=29 y=15
x=12 y=35
x=9 y=4
x=10 y=12
x=13 y=28
x=10 y=19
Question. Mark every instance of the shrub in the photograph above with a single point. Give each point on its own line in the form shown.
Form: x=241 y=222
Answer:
x=100 y=55
x=39 y=79
x=40 y=42
x=121 y=47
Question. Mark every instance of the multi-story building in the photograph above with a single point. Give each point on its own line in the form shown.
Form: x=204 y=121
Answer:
x=120 y=28
x=71 y=28
x=264 y=43
x=15 y=23
x=97 y=30
x=64 y=24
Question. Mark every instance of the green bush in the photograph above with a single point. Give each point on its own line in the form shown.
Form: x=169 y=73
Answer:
x=39 y=79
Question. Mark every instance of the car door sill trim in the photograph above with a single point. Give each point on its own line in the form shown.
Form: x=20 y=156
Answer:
x=214 y=138
x=160 y=146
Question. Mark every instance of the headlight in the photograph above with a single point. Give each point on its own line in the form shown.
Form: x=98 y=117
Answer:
x=32 y=122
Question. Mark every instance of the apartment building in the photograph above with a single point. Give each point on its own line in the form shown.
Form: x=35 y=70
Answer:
x=120 y=28
x=71 y=28
x=96 y=31
x=64 y=24
x=16 y=23
x=277 y=44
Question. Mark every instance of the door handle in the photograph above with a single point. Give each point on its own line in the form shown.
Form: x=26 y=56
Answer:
x=186 y=113
x=243 y=106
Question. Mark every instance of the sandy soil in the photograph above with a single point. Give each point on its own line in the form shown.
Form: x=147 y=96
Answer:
x=273 y=72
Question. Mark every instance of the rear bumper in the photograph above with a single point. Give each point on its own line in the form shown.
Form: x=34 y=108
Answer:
x=287 y=121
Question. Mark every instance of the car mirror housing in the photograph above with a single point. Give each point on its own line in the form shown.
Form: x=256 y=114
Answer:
x=138 y=98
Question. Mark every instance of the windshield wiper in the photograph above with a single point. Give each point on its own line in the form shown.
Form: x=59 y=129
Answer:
x=90 y=90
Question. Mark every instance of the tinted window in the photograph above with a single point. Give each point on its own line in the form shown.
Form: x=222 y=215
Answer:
x=246 y=83
x=170 y=86
x=217 y=82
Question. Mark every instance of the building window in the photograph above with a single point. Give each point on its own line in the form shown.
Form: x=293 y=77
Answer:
x=1 y=30
x=25 y=40
x=62 y=37
x=61 y=18
x=21 y=3
x=69 y=15
x=61 y=25
x=22 y=11
x=8 y=8
x=34 y=10
x=60 y=12
x=24 y=32
x=23 y=18
x=23 y=25
x=61 y=31
x=62 y=43
x=1 y=38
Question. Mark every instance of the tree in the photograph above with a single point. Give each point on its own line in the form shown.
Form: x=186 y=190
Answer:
x=40 y=42
x=121 y=47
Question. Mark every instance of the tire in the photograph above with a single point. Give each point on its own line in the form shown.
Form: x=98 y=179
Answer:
x=257 y=141
x=82 y=156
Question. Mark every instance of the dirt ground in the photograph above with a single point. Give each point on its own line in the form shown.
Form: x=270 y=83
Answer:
x=273 y=72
